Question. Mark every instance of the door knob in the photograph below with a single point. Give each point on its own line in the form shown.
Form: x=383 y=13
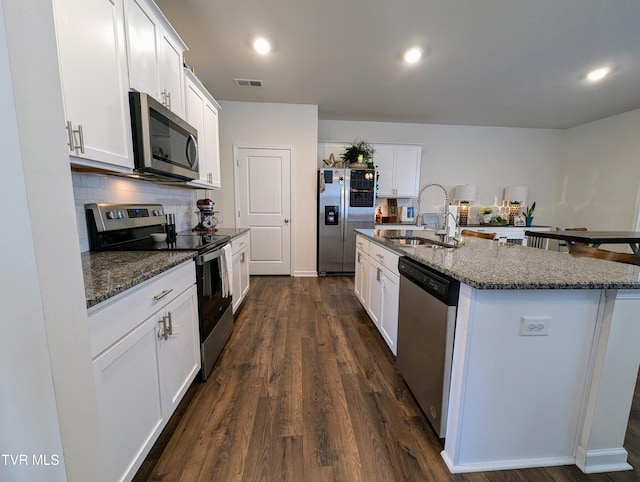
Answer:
x=286 y=221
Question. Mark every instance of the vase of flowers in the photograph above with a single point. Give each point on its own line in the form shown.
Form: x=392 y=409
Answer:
x=485 y=214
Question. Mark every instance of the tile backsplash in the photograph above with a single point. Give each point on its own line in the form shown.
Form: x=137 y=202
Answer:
x=100 y=188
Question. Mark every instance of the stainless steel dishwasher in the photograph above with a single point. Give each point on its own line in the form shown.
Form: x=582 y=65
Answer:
x=426 y=324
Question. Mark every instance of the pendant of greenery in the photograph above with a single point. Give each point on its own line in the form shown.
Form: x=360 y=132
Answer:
x=356 y=149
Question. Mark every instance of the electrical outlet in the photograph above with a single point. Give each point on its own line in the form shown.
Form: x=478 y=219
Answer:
x=534 y=326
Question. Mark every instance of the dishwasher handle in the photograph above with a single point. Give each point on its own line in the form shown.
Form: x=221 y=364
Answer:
x=437 y=284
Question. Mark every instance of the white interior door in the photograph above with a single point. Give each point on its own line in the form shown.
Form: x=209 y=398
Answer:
x=263 y=200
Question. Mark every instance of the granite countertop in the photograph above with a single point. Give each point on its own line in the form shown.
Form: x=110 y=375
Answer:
x=486 y=264
x=232 y=232
x=107 y=273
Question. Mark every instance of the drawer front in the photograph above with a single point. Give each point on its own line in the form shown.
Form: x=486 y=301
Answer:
x=362 y=244
x=111 y=320
x=386 y=258
x=239 y=243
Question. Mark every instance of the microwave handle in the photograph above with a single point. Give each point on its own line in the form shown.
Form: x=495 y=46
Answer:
x=191 y=139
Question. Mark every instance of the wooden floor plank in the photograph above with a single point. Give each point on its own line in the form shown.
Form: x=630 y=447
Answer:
x=307 y=391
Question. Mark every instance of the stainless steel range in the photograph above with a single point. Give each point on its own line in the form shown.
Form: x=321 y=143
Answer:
x=128 y=227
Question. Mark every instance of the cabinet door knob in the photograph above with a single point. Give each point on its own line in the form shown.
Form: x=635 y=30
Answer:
x=286 y=221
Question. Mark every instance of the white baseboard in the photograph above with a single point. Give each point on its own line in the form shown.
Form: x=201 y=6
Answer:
x=305 y=274
x=603 y=460
x=505 y=464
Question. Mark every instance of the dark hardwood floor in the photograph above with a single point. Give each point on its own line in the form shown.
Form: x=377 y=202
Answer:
x=307 y=391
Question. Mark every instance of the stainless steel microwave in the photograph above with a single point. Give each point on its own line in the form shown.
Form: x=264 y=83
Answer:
x=164 y=145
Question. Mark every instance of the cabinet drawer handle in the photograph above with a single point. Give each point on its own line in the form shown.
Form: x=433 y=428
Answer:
x=163 y=294
x=380 y=256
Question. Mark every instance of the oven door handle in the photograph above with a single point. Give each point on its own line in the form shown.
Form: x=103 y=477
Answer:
x=205 y=258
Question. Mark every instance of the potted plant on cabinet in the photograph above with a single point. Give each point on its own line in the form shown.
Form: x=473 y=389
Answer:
x=528 y=214
x=358 y=154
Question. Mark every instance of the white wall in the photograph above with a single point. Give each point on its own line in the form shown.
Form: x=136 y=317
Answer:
x=600 y=174
x=250 y=124
x=489 y=157
x=48 y=401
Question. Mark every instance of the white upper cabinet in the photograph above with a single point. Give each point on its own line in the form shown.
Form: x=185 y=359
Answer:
x=202 y=113
x=155 y=55
x=93 y=71
x=397 y=165
x=398 y=169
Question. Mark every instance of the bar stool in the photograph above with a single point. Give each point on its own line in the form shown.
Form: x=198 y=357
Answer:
x=581 y=250
x=564 y=244
x=476 y=234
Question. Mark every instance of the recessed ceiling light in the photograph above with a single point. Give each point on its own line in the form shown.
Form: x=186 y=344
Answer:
x=412 y=55
x=262 y=46
x=598 y=74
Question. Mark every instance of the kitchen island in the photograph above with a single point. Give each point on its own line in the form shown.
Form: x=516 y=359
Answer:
x=516 y=400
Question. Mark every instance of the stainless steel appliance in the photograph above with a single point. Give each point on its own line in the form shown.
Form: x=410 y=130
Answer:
x=127 y=227
x=208 y=217
x=346 y=201
x=164 y=145
x=426 y=324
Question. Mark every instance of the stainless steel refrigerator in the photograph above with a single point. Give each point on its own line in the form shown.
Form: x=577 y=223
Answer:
x=346 y=201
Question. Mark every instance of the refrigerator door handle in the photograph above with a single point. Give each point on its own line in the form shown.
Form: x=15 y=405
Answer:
x=345 y=206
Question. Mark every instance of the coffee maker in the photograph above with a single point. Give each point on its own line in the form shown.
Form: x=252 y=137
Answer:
x=208 y=218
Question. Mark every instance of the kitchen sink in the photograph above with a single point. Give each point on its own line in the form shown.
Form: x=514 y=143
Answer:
x=412 y=241
x=416 y=241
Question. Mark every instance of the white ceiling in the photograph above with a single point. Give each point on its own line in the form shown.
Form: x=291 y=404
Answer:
x=518 y=63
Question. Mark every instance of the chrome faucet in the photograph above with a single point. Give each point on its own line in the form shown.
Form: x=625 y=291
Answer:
x=419 y=218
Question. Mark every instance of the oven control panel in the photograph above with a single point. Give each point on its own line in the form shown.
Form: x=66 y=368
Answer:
x=109 y=217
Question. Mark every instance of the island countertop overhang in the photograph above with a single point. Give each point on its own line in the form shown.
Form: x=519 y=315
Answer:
x=484 y=264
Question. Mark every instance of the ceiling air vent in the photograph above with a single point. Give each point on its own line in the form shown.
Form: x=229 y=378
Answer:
x=248 y=83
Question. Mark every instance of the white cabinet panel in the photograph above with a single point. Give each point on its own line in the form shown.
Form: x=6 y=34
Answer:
x=202 y=113
x=170 y=72
x=128 y=386
x=142 y=46
x=240 y=265
x=155 y=53
x=179 y=353
x=382 y=304
x=93 y=70
x=398 y=169
x=384 y=160
x=361 y=281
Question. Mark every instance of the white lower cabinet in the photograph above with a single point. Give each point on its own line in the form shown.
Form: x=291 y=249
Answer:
x=362 y=276
x=382 y=306
x=240 y=267
x=143 y=368
x=377 y=286
x=128 y=395
x=178 y=349
x=361 y=281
